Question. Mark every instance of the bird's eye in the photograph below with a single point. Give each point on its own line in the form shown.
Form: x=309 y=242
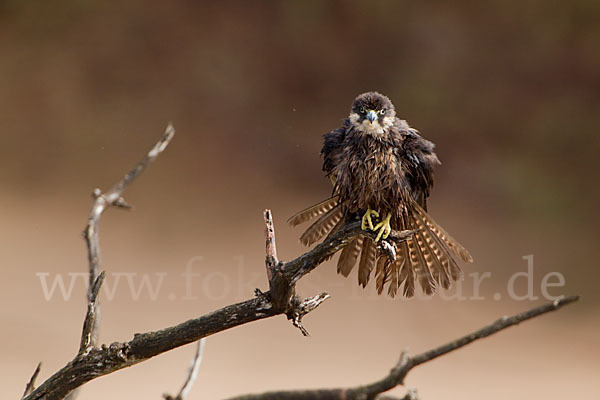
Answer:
x=382 y=111
x=362 y=110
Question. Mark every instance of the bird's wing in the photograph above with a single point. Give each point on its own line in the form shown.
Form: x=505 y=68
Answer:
x=313 y=211
x=332 y=150
x=420 y=160
x=330 y=210
x=322 y=226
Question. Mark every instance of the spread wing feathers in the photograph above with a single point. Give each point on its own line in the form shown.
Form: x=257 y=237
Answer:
x=436 y=259
x=426 y=257
x=420 y=267
x=398 y=272
x=436 y=262
x=368 y=257
x=382 y=273
x=313 y=211
x=439 y=232
x=349 y=255
x=323 y=225
x=334 y=230
x=405 y=272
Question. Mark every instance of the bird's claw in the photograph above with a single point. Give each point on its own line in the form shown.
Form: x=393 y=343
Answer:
x=366 y=220
x=384 y=228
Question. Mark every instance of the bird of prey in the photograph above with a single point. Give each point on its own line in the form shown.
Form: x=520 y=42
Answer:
x=382 y=173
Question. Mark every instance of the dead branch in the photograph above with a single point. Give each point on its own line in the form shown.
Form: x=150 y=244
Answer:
x=192 y=373
x=102 y=201
x=31 y=384
x=406 y=363
x=113 y=197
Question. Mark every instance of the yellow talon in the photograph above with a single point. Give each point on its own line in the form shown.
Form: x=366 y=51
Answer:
x=384 y=228
x=366 y=219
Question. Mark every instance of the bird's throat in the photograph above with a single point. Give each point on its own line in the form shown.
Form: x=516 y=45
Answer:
x=375 y=128
x=371 y=128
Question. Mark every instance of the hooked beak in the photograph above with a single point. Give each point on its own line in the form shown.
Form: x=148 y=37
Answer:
x=372 y=116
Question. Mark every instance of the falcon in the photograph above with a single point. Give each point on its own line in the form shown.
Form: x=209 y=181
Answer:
x=382 y=174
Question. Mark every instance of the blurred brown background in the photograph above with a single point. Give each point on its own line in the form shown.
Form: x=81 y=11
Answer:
x=508 y=90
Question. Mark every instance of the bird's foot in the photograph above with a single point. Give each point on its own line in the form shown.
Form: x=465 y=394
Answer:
x=366 y=220
x=384 y=228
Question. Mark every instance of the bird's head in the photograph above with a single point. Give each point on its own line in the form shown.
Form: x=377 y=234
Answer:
x=372 y=113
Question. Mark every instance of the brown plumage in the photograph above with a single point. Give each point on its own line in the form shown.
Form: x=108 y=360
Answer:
x=377 y=162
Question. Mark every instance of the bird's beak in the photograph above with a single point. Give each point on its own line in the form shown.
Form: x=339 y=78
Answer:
x=372 y=116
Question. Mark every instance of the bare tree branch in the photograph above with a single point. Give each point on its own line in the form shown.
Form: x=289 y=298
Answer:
x=271 y=249
x=88 y=338
x=31 y=384
x=406 y=363
x=192 y=373
x=304 y=307
x=113 y=197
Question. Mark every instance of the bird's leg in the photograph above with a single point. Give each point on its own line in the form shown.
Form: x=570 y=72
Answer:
x=384 y=228
x=366 y=219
